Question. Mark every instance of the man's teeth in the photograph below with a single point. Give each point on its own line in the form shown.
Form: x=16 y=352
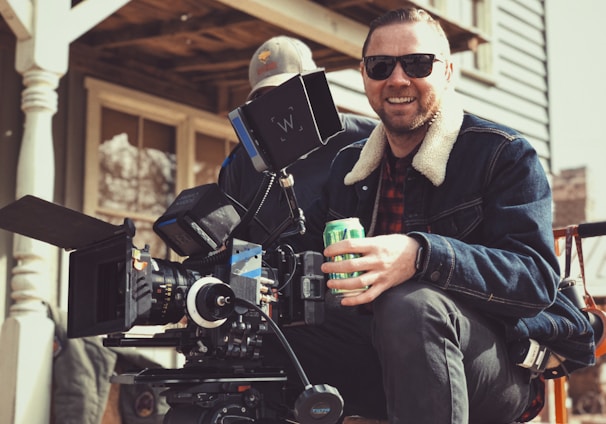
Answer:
x=400 y=99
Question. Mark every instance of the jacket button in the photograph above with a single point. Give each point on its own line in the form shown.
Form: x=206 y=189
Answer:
x=435 y=276
x=365 y=188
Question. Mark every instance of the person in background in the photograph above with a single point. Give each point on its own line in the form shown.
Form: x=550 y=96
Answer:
x=273 y=63
x=458 y=261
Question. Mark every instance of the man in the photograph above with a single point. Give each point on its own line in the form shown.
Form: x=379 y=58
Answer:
x=458 y=258
x=274 y=62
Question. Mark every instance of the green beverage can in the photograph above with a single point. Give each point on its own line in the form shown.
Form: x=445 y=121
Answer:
x=338 y=230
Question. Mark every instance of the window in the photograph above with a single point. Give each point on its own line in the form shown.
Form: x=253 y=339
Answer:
x=142 y=151
x=475 y=14
x=136 y=172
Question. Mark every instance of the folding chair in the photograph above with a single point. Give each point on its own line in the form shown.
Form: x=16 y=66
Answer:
x=576 y=233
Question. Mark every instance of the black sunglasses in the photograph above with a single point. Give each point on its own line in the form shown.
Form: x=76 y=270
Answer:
x=416 y=65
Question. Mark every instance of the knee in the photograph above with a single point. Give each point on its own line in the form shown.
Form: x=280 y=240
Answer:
x=412 y=308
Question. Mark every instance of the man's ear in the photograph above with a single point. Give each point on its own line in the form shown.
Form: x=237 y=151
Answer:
x=449 y=71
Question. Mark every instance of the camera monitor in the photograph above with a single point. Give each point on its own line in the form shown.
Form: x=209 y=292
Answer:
x=198 y=221
x=287 y=122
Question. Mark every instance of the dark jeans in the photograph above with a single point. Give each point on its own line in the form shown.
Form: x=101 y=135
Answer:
x=437 y=361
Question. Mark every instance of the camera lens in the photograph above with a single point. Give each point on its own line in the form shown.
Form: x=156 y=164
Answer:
x=169 y=285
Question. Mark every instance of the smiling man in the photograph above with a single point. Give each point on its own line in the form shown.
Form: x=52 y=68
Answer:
x=458 y=258
x=406 y=104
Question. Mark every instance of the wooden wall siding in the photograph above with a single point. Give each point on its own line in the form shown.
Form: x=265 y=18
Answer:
x=518 y=96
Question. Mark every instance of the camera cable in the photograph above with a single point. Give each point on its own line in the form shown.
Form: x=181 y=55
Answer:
x=319 y=404
x=291 y=354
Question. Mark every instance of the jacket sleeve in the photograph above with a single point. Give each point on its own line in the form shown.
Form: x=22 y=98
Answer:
x=508 y=265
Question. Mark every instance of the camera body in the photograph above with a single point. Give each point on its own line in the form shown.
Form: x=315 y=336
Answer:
x=217 y=308
x=219 y=303
x=114 y=286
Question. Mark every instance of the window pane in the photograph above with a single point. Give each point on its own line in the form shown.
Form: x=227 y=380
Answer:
x=137 y=167
x=157 y=168
x=118 y=170
x=210 y=152
x=475 y=14
x=115 y=122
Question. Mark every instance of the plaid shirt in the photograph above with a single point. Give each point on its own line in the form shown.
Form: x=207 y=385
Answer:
x=391 y=203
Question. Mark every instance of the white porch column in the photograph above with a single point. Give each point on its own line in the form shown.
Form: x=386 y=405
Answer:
x=27 y=333
x=44 y=30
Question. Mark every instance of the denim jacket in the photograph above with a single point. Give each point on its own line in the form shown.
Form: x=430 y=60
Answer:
x=476 y=196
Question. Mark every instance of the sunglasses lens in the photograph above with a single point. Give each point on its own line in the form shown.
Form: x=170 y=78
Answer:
x=415 y=65
x=379 y=67
x=418 y=65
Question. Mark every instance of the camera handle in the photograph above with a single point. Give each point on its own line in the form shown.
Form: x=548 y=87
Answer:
x=296 y=215
x=287 y=182
x=250 y=212
x=319 y=404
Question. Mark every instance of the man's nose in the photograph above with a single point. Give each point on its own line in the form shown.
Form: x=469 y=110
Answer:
x=398 y=75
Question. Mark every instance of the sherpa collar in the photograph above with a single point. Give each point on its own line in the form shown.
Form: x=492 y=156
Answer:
x=432 y=157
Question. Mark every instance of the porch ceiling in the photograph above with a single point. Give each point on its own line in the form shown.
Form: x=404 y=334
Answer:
x=194 y=49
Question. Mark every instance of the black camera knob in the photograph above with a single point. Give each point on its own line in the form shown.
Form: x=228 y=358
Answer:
x=319 y=404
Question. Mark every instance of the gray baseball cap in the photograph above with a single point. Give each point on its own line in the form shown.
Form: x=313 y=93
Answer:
x=277 y=60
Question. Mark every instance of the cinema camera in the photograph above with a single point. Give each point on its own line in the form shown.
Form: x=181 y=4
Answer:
x=224 y=297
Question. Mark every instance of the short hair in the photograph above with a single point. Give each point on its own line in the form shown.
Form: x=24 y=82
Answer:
x=404 y=15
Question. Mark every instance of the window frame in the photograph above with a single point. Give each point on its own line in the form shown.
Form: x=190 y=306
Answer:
x=484 y=53
x=187 y=122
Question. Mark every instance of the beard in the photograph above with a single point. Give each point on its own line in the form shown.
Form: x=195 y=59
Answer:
x=395 y=126
x=406 y=125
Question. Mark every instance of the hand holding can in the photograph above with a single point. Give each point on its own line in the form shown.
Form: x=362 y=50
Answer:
x=338 y=230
